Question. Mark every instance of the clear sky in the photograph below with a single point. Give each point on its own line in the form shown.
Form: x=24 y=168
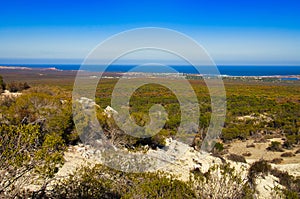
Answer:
x=232 y=31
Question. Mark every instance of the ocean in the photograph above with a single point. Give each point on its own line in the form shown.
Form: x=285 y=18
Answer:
x=224 y=70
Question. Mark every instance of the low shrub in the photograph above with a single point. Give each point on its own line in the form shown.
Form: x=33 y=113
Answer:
x=287 y=154
x=103 y=182
x=221 y=181
x=252 y=145
x=275 y=146
x=258 y=168
x=236 y=158
x=17 y=86
x=291 y=184
x=159 y=185
x=276 y=160
x=219 y=149
x=247 y=154
x=2 y=85
x=284 y=178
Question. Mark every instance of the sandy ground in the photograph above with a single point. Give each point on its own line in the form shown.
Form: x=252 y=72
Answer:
x=79 y=155
x=290 y=164
x=191 y=159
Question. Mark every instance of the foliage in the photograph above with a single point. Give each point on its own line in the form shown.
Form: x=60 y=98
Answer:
x=236 y=158
x=26 y=151
x=43 y=107
x=34 y=129
x=219 y=147
x=40 y=120
x=221 y=181
x=159 y=185
x=277 y=160
x=287 y=154
x=284 y=193
x=86 y=182
x=102 y=182
x=273 y=108
x=17 y=86
x=275 y=146
x=2 y=84
x=258 y=168
x=287 y=180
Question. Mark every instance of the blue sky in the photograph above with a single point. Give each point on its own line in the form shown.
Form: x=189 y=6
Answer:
x=233 y=32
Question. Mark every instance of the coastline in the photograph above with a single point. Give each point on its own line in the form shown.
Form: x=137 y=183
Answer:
x=50 y=68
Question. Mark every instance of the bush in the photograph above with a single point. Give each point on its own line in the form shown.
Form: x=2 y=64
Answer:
x=277 y=160
x=236 y=158
x=17 y=86
x=219 y=147
x=250 y=145
x=275 y=146
x=287 y=154
x=26 y=151
x=46 y=110
x=86 y=182
x=259 y=168
x=285 y=179
x=220 y=181
x=284 y=193
x=2 y=85
x=103 y=182
x=247 y=154
x=159 y=185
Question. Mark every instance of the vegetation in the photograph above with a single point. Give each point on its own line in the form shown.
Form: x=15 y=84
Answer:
x=26 y=151
x=236 y=158
x=17 y=86
x=277 y=160
x=287 y=154
x=101 y=182
x=259 y=168
x=2 y=85
x=253 y=110
x=221 y=181
x=36 y=127
x=291 y=184
x=275 y=146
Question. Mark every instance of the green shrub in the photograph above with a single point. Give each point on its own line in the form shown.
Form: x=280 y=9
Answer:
x=291 y=184
x=2 y=85
x=287 y=154
x=258 y=168
x=275 y=146
x=159 y=185
x=17 y=86
x=247 y=154
x=103 y=182
x=26 y=152
x=277 y=160
x=220 y=181
x=87 y=182
x=236 y=158
x=219 y=147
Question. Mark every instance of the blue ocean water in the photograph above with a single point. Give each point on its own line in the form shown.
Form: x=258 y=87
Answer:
x=224 y=70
